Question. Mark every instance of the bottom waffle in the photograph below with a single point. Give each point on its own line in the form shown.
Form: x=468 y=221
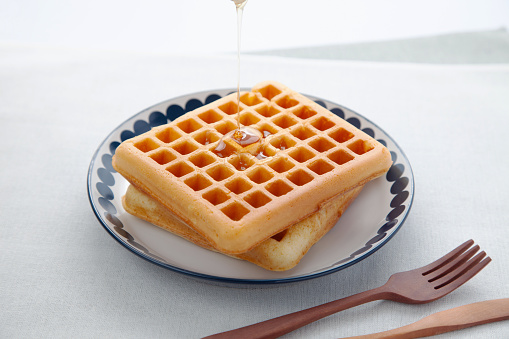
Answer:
x=279 y=253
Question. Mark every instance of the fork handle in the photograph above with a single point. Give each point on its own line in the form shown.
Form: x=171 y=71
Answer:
x=279 y=326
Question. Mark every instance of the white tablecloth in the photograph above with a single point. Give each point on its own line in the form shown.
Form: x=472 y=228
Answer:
x=62 y=275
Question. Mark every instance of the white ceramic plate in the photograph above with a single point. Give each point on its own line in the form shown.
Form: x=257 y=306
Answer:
x=372 y=219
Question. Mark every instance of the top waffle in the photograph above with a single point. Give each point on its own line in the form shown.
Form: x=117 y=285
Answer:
x=309 y=155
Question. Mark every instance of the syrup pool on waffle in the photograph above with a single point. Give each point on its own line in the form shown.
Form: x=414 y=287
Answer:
x=252 y=141
x=244 y=137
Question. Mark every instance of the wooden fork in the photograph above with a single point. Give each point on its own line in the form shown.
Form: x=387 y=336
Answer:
x=418 y=286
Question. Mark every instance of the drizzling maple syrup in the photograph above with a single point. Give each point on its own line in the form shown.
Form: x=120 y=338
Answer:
x=239 y=5
x=244 y=136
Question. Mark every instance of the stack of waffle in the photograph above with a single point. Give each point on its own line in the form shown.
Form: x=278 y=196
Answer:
x=267 y=204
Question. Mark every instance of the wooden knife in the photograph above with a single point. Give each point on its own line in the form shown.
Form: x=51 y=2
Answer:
x=450 y=320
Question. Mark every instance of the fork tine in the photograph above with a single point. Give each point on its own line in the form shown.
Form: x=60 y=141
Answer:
x=459 y=271
x=465 y=277
x=446 y=258
x=452 y=264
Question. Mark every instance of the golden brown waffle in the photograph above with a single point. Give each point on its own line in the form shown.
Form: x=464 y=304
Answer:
x=278 y=253
x=237 y=202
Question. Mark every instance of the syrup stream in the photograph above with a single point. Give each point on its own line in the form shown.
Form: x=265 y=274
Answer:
x=244 y=136
x=239 y=4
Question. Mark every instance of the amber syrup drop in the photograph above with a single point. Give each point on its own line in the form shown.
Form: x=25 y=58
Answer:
x=242 y=164
x=220 y=150
x=282 y=145
x=266 y=133
x=261 y=155
x=207 y=138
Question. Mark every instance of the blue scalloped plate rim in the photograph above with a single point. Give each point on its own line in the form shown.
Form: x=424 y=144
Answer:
x=101 y=196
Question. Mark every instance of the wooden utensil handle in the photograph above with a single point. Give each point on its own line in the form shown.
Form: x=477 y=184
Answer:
x=276 y=327
x=450 y=320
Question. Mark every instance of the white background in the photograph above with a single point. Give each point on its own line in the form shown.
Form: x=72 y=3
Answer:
x=204 y=26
